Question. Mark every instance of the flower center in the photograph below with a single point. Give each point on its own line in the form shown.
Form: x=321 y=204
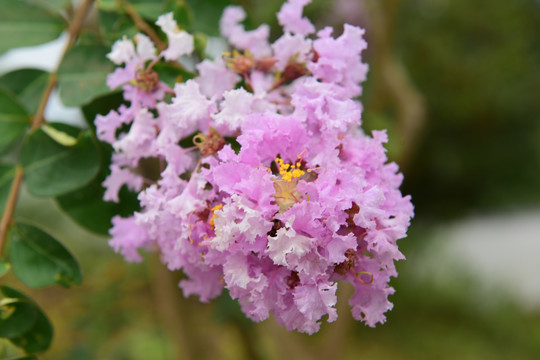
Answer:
x=285 y=185
x=147 y=80
x=209 y=144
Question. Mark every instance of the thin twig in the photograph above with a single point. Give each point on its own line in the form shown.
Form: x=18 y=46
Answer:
x=147 y=29
x=77 y=23
x=73 y=31
x=38 y=118
x=143 y=26
x=10 y=206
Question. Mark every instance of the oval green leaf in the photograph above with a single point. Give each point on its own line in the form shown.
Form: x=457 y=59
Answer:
x=39 y=336
x=52 y=169
x=83 y=74
x=172 y=74
x=28 y=85
x=14 y=120
x=40 y=260
x=26 y=25
x=87 y=208
x=149 y=9
x=16 y=317
x=101 y=106
x=114 y=25
x=86 y=205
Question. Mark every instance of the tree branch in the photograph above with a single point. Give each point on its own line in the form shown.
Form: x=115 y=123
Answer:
x=38 y=118
x=10 y=206
x=144 y=27
x=73 y=31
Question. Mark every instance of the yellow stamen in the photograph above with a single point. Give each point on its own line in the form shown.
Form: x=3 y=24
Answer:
x=297 y=173
x=213 y=210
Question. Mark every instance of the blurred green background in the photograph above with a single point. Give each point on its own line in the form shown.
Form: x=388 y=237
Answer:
x=457 y=85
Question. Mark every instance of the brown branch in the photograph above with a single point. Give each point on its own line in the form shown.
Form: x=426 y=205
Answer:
x=74 y=30
x=38 y=118
x=76 y=24
x=144 y=27
x=10 y=206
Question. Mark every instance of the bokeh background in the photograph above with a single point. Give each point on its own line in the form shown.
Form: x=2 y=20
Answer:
x=457 y=85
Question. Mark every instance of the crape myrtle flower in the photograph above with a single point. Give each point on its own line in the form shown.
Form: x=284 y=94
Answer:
x=267 y=186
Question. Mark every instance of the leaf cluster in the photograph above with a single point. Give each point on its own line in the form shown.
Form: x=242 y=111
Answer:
x=55 y=160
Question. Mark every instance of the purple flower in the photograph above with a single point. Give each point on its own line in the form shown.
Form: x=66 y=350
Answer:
x=281 y=196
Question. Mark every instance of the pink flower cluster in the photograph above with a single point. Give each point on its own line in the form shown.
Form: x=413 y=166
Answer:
x=281 y=194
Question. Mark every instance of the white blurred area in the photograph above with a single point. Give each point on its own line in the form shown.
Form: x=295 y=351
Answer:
x=500 y=253
x=44 y=57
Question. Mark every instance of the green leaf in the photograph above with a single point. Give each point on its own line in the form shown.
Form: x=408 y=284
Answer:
x=171 y=74
x=39 y=336
x=108 y=5
x=115 y=25
x=83 y=74
x=16 y=317
x=28 y=85
x=207 y=14
x=101 y=105
x=7 y=173
x=201 y=40
x=182 y=13
x=40 y=260
x=52 y=169
x=25 y=25
x=13 y=120
x=4 y=267
x=86 y=205
x=51 y=5
x=150 y=9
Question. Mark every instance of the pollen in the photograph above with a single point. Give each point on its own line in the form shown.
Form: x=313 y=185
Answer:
x=213 y=210
x=288 y=171
x=285 y=183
